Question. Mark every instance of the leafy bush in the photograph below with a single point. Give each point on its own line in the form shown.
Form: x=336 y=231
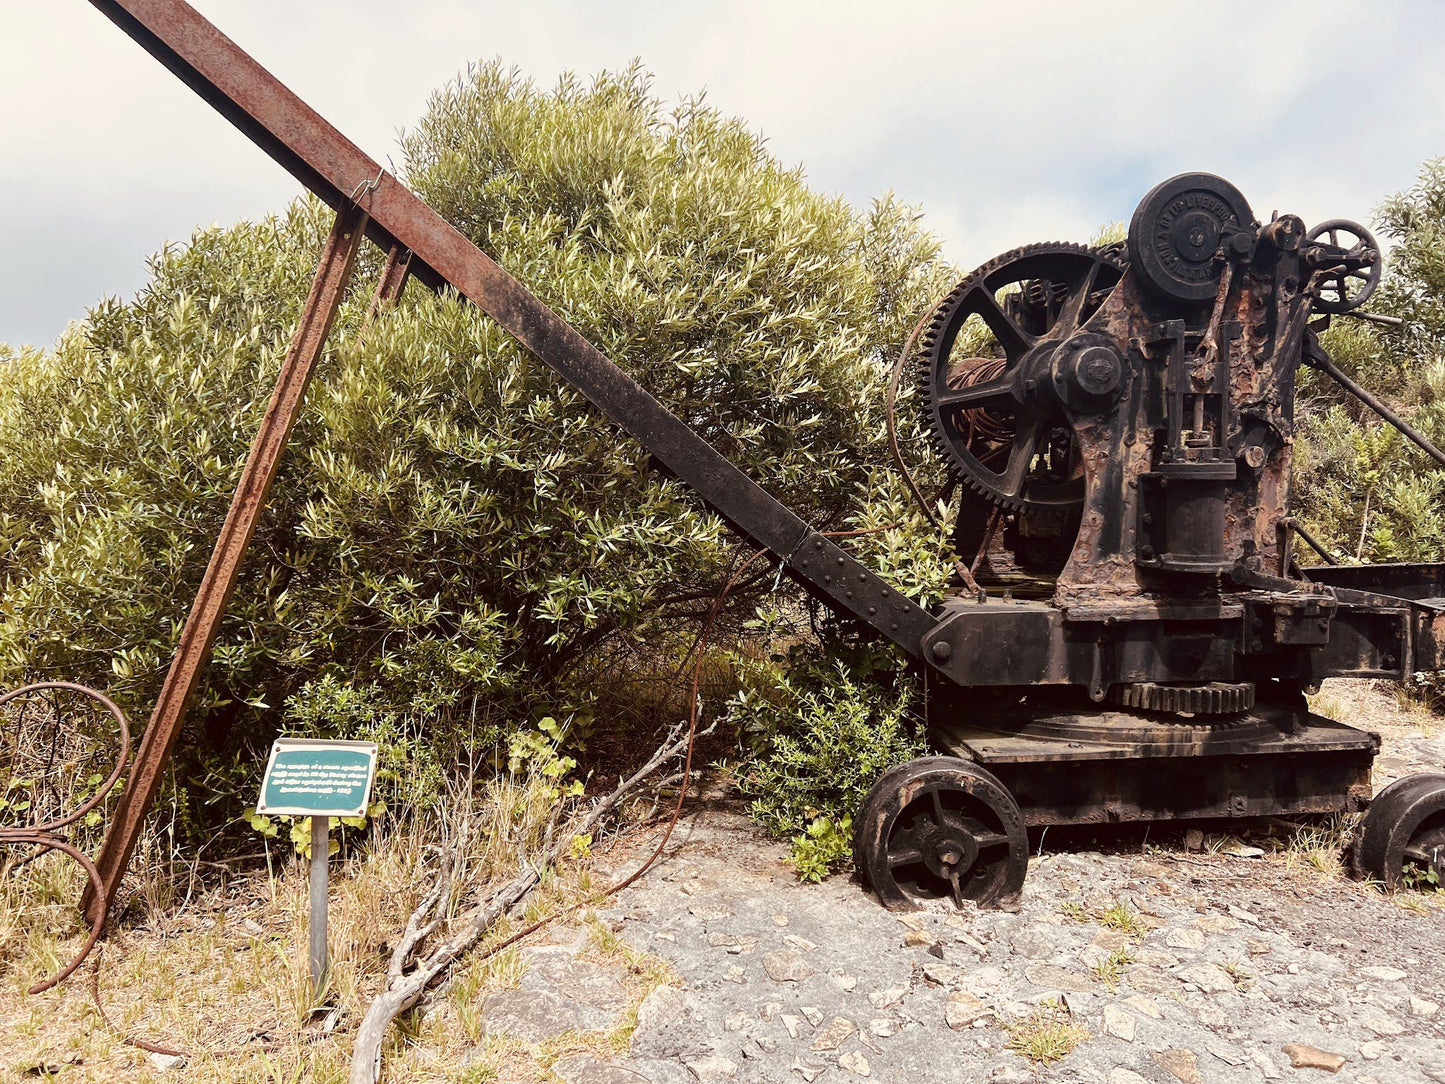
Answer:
x=822 y=727
x=457 y=546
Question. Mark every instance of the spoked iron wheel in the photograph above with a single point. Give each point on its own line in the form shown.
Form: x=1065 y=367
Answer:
x=1401 y=841
x=1353 y=282
x=985 y=354
x=940 y=828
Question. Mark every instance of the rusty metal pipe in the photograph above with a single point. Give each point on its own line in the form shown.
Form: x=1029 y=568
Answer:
x=1316 y=357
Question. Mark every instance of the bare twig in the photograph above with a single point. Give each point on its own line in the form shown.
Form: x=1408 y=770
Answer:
x=405 y=988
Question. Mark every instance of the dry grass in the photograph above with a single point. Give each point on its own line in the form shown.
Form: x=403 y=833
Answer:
x=1379 y=705
x=1321 y=848
x=223 y=972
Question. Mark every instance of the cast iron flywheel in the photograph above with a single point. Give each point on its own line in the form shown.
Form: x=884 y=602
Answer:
x=941 y=828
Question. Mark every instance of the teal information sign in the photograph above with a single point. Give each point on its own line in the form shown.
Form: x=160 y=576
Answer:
x=312 y=778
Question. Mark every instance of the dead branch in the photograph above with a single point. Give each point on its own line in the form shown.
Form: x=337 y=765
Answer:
x=405 y=988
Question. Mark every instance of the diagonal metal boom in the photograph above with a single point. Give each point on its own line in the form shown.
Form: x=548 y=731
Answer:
x=423 y=245
x=334 y=168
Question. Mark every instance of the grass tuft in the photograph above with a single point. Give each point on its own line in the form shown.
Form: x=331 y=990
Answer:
x=1045 y=1035
x=1122 y=917
x=1111 y=971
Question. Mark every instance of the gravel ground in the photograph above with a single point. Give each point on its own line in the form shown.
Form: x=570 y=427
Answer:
x=1154 y=962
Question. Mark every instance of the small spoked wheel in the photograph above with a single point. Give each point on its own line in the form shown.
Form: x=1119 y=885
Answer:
x=1401 y=841
x=1353 y=278
x=941 y=828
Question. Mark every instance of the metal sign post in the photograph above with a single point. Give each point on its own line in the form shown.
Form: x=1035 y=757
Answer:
x=306 y=777
x=320 y=895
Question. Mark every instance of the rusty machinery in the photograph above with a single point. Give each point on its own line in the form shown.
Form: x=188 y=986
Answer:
x=1135 y=638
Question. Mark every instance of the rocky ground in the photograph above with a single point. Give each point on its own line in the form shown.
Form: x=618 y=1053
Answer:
x=1129 y=961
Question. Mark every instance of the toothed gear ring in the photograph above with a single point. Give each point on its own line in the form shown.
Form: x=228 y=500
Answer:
x=976 y=379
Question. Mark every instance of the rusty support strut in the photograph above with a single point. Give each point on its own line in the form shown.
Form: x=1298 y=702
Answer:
x=333 y=271
x=394 y=275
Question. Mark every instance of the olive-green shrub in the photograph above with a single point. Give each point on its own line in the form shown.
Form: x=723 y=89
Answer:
x=457 y=545
x=820 y=725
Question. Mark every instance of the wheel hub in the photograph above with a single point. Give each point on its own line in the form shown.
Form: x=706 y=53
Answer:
x=949 y=851
x=941 y=828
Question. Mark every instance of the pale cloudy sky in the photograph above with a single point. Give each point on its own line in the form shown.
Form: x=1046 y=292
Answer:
x=1007 y=122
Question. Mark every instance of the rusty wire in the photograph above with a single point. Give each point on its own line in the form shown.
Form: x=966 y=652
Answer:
x=45 y=834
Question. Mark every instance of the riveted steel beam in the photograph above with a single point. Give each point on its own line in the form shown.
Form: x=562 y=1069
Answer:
x=421 y=243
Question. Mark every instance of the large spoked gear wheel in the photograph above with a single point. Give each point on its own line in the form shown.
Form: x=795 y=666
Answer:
x=1401 y=841
x=941 y=828
x=977 y=375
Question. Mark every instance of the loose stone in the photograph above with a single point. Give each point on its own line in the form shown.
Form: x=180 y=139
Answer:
x=1383 y=1025
x=855 y=1062
x=1178 y=1063
x=1225 y=1053
x=1215 y=924
x=1142 y=1004
x=1304 y=1056
x=785 y=965
x=886 y=999
x=711 y=1069
x=1119 y=1023
x=962 y=1009
x=1185 y=939
x=1211 y=978
x=839 y=1030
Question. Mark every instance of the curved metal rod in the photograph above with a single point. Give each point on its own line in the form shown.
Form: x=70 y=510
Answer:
x=43 y=835
x=120 y=763
x=54 y=843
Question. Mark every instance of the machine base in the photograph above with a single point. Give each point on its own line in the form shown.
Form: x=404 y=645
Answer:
x=1114 y=767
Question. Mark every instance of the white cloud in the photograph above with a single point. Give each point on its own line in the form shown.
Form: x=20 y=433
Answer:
x=1009 y=123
